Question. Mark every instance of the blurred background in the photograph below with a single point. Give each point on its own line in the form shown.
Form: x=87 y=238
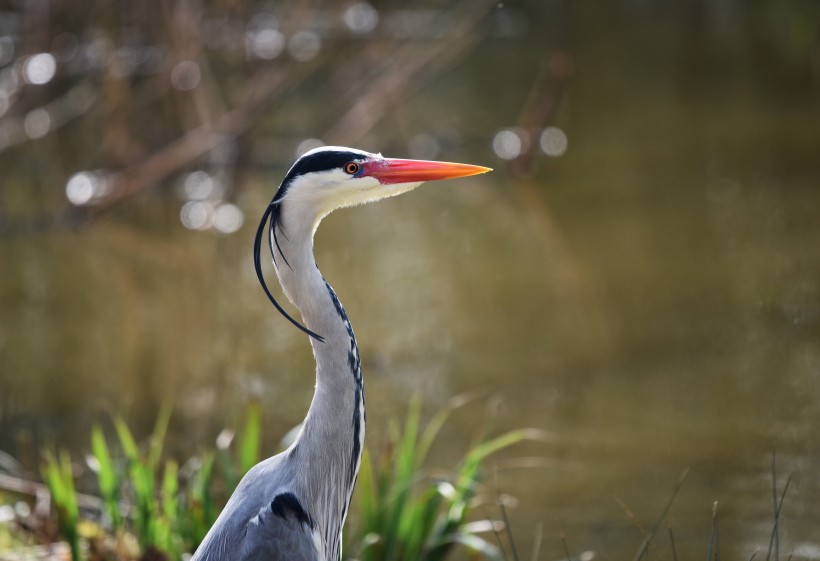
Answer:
x=639 y=276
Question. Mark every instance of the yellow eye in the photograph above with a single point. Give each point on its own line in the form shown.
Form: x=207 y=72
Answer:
x=351 y=168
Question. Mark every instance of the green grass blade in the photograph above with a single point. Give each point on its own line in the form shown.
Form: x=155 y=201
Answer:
x=672 y=545
x=249 y=442
x=404 y=469
x=106 y=473
x=59 y=477
x=510 y=536
x=201 y=507
x=129 y=445
x=169 y=540
x=108 y=478
x=405 y=459
x=778 y=507
x=648 y=540
x=427 y=508
x=158 y=435
x=713 y=531
x=489 y=447
x=170 y=490
x=430 y=433
x=368 y=494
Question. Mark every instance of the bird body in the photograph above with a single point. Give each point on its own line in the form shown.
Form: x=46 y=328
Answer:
x=293 y=506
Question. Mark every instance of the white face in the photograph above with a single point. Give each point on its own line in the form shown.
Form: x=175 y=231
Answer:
x=339 y=189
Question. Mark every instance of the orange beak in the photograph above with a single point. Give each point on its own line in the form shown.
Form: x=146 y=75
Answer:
x=391 y=170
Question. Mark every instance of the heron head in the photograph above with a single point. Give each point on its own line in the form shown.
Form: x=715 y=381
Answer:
x=332 y=177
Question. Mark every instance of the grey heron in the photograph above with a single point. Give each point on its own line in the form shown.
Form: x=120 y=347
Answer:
x=293 y=506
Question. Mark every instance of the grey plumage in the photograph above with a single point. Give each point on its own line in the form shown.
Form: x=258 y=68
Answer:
x=292 y=507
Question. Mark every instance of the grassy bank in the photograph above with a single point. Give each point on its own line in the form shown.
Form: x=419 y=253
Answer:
x=148 y=506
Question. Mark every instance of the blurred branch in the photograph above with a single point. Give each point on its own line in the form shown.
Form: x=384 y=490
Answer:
x=263 y=88
x=73 y=104
x=402 y=77
x=548 y=87
x=374 y=99
x=146 y=127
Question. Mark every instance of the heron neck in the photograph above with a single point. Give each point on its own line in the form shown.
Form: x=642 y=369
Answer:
x=334 y=426
x=320 y=308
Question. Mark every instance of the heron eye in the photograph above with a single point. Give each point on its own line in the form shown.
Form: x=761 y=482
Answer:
x=351 y=168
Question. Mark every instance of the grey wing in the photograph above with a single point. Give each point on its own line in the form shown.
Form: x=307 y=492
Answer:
x=281 y=531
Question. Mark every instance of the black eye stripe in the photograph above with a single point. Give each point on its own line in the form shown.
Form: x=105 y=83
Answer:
x=321 y=161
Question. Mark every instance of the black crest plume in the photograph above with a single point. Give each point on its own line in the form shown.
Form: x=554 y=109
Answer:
x=257 y=262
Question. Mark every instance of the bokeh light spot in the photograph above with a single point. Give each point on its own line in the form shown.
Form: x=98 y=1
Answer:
x=361 y=18
x=186 y=75
x=224 y=439
x=228 y=218
x=198 y=185
x=39 y=69
x=553 y=142
x=6 y=514
x=79 y=189
x=37 y=123
x=85 y=186
x=265 y=43
x=196 y=215
x=507 y=144
x=304 y=45
x=22 y=509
